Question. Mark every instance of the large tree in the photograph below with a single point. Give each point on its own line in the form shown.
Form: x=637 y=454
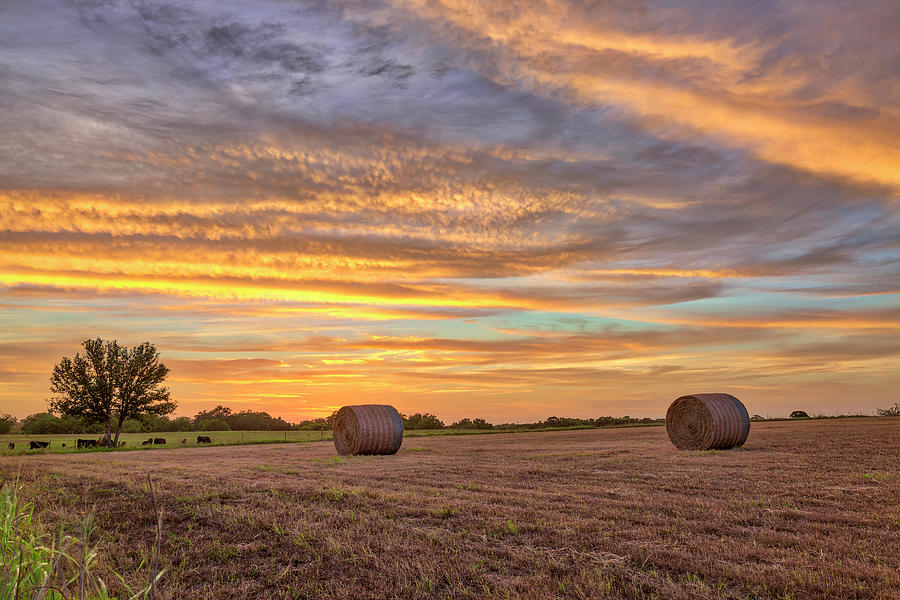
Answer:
x=111 y=381
x=85 y=386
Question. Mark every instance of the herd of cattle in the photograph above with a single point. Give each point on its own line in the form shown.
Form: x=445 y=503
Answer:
x=98 y=443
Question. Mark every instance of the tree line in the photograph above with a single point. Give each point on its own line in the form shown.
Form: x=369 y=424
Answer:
x=223 y=418
x=419 y=421
x=47 y=423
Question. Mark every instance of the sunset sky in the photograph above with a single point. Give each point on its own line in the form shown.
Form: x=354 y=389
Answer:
x=506 y=210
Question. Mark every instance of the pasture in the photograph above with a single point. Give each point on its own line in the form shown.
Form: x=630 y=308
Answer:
x=804 y=510
x=63 y=443
x=173 y=439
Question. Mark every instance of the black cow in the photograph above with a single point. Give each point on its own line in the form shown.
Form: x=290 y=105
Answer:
x=202 y=439
x=80 y=443
x=121 y=444
x=32 y=445
x=159 y=440
x=147 y=442
x=11 y=445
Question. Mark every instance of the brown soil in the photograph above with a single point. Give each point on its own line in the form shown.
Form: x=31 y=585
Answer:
x=804 y=510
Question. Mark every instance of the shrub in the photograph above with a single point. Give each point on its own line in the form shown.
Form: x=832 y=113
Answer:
x=6 y=423
x=472 y=424
x=893 y=411
x=320 y=424
x=799 y=414
x=132 y=426
x=420 y=421
x=47 y=423
x=182 y=424
x=213 y=425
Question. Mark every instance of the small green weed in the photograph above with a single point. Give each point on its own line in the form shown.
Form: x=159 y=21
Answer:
x=445 y=513
x=510 y=528
x=876 y=476
x=334 y=494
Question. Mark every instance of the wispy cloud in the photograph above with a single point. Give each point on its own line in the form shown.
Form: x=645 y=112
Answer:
x=455 y=206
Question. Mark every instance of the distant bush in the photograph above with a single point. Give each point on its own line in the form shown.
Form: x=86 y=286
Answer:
x=6 y=423
x=247 y=420
x=471 y=424
x=799 y=414
x=320 y=424
x=42 y=423
x=45 y=423
x=182 y=424
x=133 y=426
x=420 y=421
x=164 y=423
x=155 y=423
x=213 y=425
x=893 y=411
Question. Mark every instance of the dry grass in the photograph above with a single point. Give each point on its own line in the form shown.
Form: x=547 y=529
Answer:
x=805 y=510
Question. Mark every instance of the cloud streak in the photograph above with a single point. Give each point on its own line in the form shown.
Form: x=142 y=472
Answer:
x=412 y=201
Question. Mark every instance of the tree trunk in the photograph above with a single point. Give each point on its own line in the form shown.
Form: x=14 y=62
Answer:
x=108 y=425
x=118 y=431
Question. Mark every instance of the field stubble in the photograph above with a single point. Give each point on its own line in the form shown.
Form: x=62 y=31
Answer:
x=804 y=510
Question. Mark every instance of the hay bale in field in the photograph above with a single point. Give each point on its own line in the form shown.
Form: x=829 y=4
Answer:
x=367 y=429
x=707 y=422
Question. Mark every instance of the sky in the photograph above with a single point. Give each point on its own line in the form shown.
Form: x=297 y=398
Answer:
x=506 y=210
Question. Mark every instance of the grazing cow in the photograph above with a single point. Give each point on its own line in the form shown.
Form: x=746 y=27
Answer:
x=64 y=445
x=121 y=444
x=32 y=445
x=159 y=440
x=147 y=442
x=80 y=443
x=202 y=439
x=11 y=445
x=184 y=440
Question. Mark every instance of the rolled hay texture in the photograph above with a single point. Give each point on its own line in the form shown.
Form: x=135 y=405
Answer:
x=707 y=422
x=367 y=429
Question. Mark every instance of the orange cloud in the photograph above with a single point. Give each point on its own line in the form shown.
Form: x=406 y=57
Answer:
x=548 y=56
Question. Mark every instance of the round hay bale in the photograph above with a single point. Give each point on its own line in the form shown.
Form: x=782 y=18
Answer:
x=367 y=429
x=707 y=422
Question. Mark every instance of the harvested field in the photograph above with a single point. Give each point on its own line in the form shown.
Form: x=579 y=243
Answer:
x=804 y=510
